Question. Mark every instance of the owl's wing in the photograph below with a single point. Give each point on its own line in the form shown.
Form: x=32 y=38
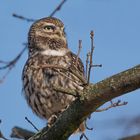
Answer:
x=77 y=62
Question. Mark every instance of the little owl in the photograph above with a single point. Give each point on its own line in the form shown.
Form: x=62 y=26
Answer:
x=48 y=66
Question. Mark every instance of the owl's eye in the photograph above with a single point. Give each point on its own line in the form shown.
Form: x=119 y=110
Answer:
x=49 y=27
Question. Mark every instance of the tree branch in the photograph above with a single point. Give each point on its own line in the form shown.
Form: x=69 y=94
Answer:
x=93 y=96
x=58 y=8
x=21 y=133
x=134 y=137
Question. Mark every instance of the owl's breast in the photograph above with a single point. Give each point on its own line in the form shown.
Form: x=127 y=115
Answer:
x=39 y=83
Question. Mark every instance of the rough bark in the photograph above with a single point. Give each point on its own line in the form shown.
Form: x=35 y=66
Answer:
x=93 y=96
x=134 y=137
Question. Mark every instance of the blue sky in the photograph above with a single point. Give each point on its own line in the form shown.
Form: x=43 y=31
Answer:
x=116 y=25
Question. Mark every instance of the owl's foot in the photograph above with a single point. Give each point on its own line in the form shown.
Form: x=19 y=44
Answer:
x=51 y=120
x=54 y=117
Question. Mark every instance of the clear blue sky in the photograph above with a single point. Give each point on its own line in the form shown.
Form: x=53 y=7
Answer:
x=116 y=24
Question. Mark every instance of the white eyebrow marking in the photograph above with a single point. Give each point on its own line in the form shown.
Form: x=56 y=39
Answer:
x=50 y=24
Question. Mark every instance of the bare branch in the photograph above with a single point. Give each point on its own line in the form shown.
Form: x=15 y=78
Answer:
x=91 y=55
x=83 y=135
x=116 y=104
x=11 y=64
x=89 y=61
x=31 y=124
x=4 y=76
x=23 y=18
x=58 y=8
x=93 y=96
x=134 y=137
x=79 y=50
x=87 y=64
x=100 y=65
x=87 y=126
x=21 y=133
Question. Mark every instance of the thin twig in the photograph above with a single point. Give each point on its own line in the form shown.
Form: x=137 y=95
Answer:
x=5 y=75
x=58 y=8
x=78 y=53
x=31 y=124
x=91 y=55
x=23 y=18
x=33 y=20
x=83 y=135
x=10 y=65
x=116 y=104
x=14 y=61
x=87 y=64
x=87 y=126
x=100 y=65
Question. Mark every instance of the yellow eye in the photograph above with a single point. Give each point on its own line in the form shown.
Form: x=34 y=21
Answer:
x=49 y=27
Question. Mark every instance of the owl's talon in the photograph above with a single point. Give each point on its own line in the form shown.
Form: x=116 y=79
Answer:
x=52 y=120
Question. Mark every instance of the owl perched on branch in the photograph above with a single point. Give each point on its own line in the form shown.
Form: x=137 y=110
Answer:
x=48 y=51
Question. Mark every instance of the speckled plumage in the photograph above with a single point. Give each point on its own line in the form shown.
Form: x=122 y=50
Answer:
x=48 y=46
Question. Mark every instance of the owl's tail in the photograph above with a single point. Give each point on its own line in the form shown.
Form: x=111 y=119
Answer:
x=81 y=128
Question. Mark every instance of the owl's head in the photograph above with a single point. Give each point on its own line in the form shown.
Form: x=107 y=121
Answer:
x=47 y=33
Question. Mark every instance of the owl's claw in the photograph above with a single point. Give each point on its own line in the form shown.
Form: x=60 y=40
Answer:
x=51 y=120
x=54 y=117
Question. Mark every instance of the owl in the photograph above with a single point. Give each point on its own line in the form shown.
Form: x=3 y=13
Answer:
x=48 y=51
